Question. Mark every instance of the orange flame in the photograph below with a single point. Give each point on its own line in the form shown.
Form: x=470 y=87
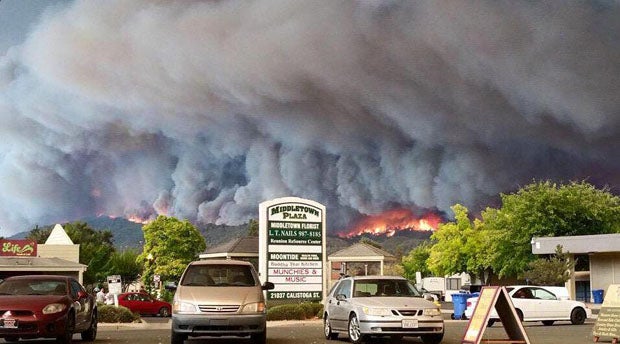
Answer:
x=392 y=221
x=137 y=219
x=132 y=218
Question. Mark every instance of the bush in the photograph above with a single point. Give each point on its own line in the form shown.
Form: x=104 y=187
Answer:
x=297 y=311
x=112 y=314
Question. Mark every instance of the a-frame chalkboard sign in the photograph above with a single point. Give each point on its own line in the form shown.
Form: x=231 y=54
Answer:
x=493 y=296
x=608 y=320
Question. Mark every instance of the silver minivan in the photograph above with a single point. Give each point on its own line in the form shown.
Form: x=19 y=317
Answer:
x=219 y=298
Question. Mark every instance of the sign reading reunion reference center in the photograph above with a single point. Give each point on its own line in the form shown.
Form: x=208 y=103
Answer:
x=292 y=248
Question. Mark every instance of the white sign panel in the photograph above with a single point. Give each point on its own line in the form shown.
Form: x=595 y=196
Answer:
x=292 y=248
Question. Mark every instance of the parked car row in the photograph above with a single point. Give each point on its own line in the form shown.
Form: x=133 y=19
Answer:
x=228 y=293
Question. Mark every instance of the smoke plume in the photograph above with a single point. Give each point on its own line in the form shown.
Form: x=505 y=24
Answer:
x=204 y=109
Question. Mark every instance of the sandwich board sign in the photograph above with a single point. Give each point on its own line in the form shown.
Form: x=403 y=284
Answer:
x=292 y=249
x=494 y=297
x=608 y=320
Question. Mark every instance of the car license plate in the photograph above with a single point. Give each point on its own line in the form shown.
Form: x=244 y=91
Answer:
x=410 y=323
x=9 y=323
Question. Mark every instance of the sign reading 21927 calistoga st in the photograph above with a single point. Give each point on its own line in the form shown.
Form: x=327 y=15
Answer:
x=292 y=248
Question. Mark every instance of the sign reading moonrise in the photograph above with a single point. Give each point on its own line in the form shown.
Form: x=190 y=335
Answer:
x=292 y=248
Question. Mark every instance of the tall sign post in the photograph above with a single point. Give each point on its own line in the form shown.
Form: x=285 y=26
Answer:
x=292 y=246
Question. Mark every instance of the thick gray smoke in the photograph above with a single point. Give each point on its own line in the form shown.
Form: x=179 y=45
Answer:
x=203 y=109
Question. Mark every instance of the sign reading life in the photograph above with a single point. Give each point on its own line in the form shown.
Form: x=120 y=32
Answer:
x=294 y=248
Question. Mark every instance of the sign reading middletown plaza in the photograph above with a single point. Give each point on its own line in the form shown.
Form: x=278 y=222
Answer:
x=292 y=248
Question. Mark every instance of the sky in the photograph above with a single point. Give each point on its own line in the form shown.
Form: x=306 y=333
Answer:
x=203 y=109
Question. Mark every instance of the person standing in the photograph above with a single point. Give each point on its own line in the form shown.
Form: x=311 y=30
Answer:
x=100 y=296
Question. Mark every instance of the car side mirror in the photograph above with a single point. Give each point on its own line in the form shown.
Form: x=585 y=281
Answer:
x=267 y=286
x=341 y=297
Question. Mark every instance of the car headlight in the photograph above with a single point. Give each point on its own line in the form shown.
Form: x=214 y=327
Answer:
x=255 y=307
x=432 y=312
x=54 y=308
x=376 y=311
x=185 y=307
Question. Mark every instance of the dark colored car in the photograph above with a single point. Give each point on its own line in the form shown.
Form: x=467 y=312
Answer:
x=144 y=304
x=41 y=306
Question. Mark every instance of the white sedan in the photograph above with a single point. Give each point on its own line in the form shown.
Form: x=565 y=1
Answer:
x=537 y=303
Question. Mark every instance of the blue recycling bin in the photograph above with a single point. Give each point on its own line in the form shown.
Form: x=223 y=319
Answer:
x=460 y=304
x=597 y=295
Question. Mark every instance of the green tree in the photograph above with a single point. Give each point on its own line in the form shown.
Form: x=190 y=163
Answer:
x=546 y=209
x=416 y=261
x=96 y=247
x=461 y=246
x=169 y=244
x=253 y=228
x=124 y=264
x=554 y=270
x=39 y=234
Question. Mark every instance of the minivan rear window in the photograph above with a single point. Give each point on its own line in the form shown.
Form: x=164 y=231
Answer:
x=218 y=275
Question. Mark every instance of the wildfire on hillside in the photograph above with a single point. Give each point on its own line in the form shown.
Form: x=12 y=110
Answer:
x=392 y=221
x=135 y=218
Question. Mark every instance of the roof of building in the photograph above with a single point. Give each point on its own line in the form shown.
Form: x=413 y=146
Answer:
x=58 y=236
x=248 y=244
x=362 y=250
x=578 y=244
x=27 y=263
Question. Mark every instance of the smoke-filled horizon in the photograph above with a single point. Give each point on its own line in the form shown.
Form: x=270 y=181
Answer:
x=204 y=109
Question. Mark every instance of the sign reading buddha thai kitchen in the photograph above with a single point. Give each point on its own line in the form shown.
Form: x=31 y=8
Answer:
x=292 y=248
x=13 y=248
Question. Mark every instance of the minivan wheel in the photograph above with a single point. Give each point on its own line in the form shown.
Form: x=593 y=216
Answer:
x=177 y=338
x=259 y=338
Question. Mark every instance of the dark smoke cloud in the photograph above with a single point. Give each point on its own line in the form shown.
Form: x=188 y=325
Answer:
x=203 y=109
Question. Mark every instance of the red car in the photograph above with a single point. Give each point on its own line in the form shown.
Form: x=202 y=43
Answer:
x=144 y=304
x=46 y=307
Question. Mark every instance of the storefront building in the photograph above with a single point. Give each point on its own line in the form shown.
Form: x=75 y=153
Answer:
x=58 y=256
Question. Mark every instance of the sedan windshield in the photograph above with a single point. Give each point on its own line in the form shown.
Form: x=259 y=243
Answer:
x=384 y=287
x=33 y=287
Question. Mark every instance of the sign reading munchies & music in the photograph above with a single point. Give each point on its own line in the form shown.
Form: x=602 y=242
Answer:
x=292 y=248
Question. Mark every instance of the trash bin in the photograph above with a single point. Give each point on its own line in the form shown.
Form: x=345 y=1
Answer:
x=597 y=295
x=460 y=304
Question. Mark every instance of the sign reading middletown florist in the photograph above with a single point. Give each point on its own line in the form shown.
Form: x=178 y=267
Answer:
x=292 y=248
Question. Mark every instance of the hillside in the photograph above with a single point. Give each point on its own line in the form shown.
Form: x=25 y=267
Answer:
x=128 y=235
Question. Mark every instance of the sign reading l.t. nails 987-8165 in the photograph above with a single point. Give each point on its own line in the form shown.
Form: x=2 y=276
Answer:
x=292 y=248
